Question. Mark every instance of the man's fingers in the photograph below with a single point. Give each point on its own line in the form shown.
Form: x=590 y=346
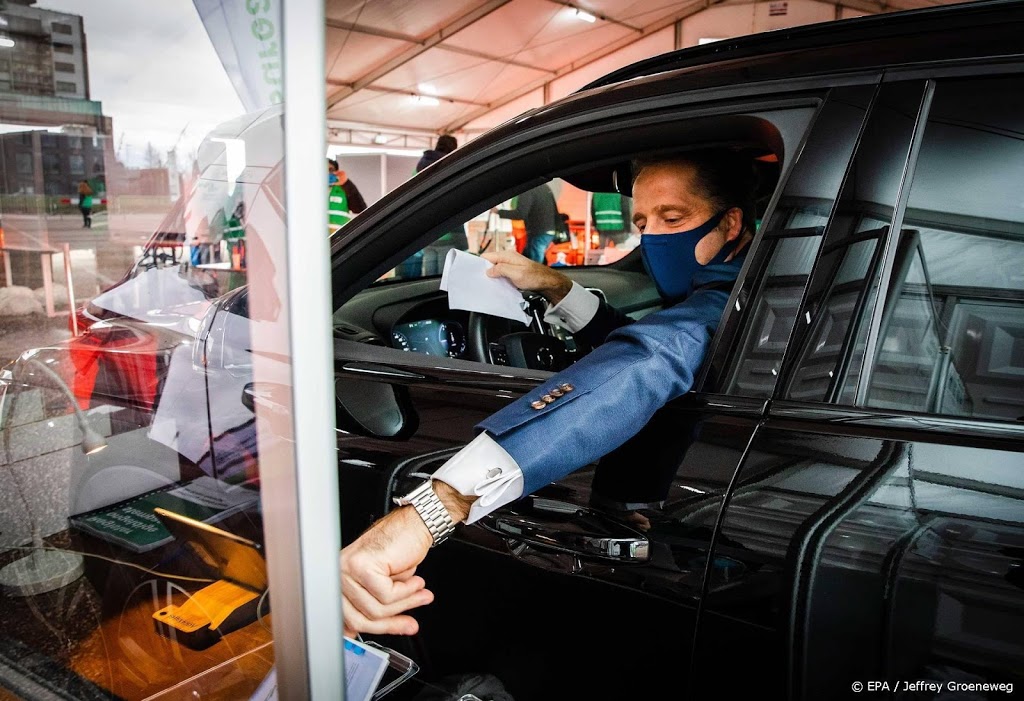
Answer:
x=382 y=600
x=354 y=621
x=402 y=576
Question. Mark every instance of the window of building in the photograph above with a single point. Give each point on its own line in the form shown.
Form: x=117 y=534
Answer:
x=64 y=67
x=60 y=28
x=65 y=86
x=24 y=163
x=76 y=163
x=63 y=48
x=51 y=163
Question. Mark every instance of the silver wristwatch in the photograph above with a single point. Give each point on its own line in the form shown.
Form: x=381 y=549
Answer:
x=431 y=510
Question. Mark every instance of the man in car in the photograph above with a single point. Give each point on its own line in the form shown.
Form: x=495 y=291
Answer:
x=696 y=215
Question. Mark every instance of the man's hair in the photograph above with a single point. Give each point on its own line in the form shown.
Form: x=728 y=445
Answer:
x=726 y=178
x=332 y=163
x=446 y=143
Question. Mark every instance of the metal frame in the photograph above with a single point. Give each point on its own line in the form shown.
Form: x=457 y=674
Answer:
x=302 y=527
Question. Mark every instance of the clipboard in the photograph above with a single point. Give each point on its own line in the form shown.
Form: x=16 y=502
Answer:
x=362 y=681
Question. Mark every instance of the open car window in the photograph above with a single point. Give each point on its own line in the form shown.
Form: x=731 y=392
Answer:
x=585 y=230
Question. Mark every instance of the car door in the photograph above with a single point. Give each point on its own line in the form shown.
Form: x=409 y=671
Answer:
x=878 y=509
x=593 y=543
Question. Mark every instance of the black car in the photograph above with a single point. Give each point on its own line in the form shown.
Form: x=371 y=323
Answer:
x=838 y=505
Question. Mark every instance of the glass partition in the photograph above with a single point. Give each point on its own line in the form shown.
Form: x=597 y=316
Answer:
x=144 y=384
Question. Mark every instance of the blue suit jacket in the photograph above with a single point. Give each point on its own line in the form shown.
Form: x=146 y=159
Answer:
x=617 y=387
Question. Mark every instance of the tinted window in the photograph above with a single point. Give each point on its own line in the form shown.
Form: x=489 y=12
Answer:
x=833 y=329
x=792 y=238
x=951 y=338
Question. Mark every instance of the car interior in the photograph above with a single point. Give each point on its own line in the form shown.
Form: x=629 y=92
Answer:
x=412 y=313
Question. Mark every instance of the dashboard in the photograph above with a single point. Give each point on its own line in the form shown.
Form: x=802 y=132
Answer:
x=431 y=337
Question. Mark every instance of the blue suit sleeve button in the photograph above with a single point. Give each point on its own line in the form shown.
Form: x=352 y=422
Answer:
x=538 y=404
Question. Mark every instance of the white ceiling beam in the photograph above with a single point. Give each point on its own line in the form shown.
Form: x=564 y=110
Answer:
x=409 y=39
x=690 y=9
x=412 y=52
x=347 y=125
x=400 y=91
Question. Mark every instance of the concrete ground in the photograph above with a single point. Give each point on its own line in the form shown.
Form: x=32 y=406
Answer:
x=99 y=256
x=19 y=333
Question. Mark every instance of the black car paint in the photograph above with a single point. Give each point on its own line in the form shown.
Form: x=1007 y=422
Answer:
x=710 y=596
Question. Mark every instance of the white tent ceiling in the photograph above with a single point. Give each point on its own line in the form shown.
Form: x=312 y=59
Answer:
x=485 y=61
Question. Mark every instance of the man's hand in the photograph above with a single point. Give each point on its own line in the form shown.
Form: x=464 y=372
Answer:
x=378 y=569
x=529 y=275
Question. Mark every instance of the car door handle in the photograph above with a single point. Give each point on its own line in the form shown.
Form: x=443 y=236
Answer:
x=565 y=527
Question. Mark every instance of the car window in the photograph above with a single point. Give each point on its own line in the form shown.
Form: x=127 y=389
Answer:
x=404 y=306
x=572 y=227
x=770 y=300
x=548 y=223
x=951 y=335
x=832 y=334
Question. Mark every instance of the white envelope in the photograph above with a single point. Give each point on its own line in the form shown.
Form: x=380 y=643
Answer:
x=465 y=280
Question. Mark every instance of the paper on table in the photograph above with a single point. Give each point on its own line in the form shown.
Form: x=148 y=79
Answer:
x=465 y=280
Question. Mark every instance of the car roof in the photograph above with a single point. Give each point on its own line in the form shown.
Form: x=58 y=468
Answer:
x=971 y=22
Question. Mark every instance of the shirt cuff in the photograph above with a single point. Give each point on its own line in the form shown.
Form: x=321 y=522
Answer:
x=576 y=309
x=483 y=469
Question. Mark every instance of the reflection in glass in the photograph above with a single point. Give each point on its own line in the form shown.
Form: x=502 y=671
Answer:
x=834 y=328
x=951 y=332
x=131 y=222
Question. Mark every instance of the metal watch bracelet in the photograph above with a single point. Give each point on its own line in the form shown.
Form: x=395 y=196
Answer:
x=430 y=508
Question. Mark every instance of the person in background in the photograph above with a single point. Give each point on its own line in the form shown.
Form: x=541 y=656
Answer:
x=539 y=211
x=611 y=216
x=435 y=253
x=696 y=213
x=344 y=200
x=85 y=203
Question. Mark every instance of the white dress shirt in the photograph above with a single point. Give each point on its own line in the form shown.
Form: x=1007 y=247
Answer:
x=483 y=468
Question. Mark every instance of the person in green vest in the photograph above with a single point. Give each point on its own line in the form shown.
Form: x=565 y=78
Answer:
x=85 y=203
x=343 y=197
x=610 y=213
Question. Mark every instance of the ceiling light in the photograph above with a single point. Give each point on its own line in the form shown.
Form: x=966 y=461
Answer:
x=380 y=139
x=426 y=100
x=6 y=42
x=585 y=16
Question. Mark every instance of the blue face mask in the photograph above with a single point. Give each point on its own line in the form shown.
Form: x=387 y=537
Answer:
x=671 y=259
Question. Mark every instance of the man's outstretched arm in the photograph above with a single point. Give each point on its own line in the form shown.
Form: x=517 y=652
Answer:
x=378 y=569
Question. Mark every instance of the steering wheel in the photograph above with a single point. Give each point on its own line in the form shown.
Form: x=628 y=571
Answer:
x=499 y=341
x=483 y=328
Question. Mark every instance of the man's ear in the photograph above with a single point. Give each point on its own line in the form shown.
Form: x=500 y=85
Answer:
x=733 y=221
